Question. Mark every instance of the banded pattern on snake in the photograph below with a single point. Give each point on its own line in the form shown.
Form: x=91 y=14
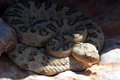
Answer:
x=51 y=38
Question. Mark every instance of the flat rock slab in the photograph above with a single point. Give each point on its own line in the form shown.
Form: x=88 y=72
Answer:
x=111 y=52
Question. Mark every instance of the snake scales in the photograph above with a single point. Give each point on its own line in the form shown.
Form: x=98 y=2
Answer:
x=52 y=38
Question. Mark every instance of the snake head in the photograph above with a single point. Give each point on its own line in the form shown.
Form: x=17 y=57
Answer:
x=86 y=53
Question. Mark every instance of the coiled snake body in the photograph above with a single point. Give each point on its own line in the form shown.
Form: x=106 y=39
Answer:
x=53 y=38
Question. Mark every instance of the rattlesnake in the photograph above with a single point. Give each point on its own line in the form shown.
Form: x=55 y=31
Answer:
x=51 y=37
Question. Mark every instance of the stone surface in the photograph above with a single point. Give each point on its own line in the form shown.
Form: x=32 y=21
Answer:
x=7 y=37
x=111 y=52
x=105 y=72
x=69 y=75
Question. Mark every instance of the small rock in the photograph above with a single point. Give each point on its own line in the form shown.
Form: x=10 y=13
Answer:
x=105 y=72
x=112 y=56
x=39 y=77
x=111 y=53
x=69 y=75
